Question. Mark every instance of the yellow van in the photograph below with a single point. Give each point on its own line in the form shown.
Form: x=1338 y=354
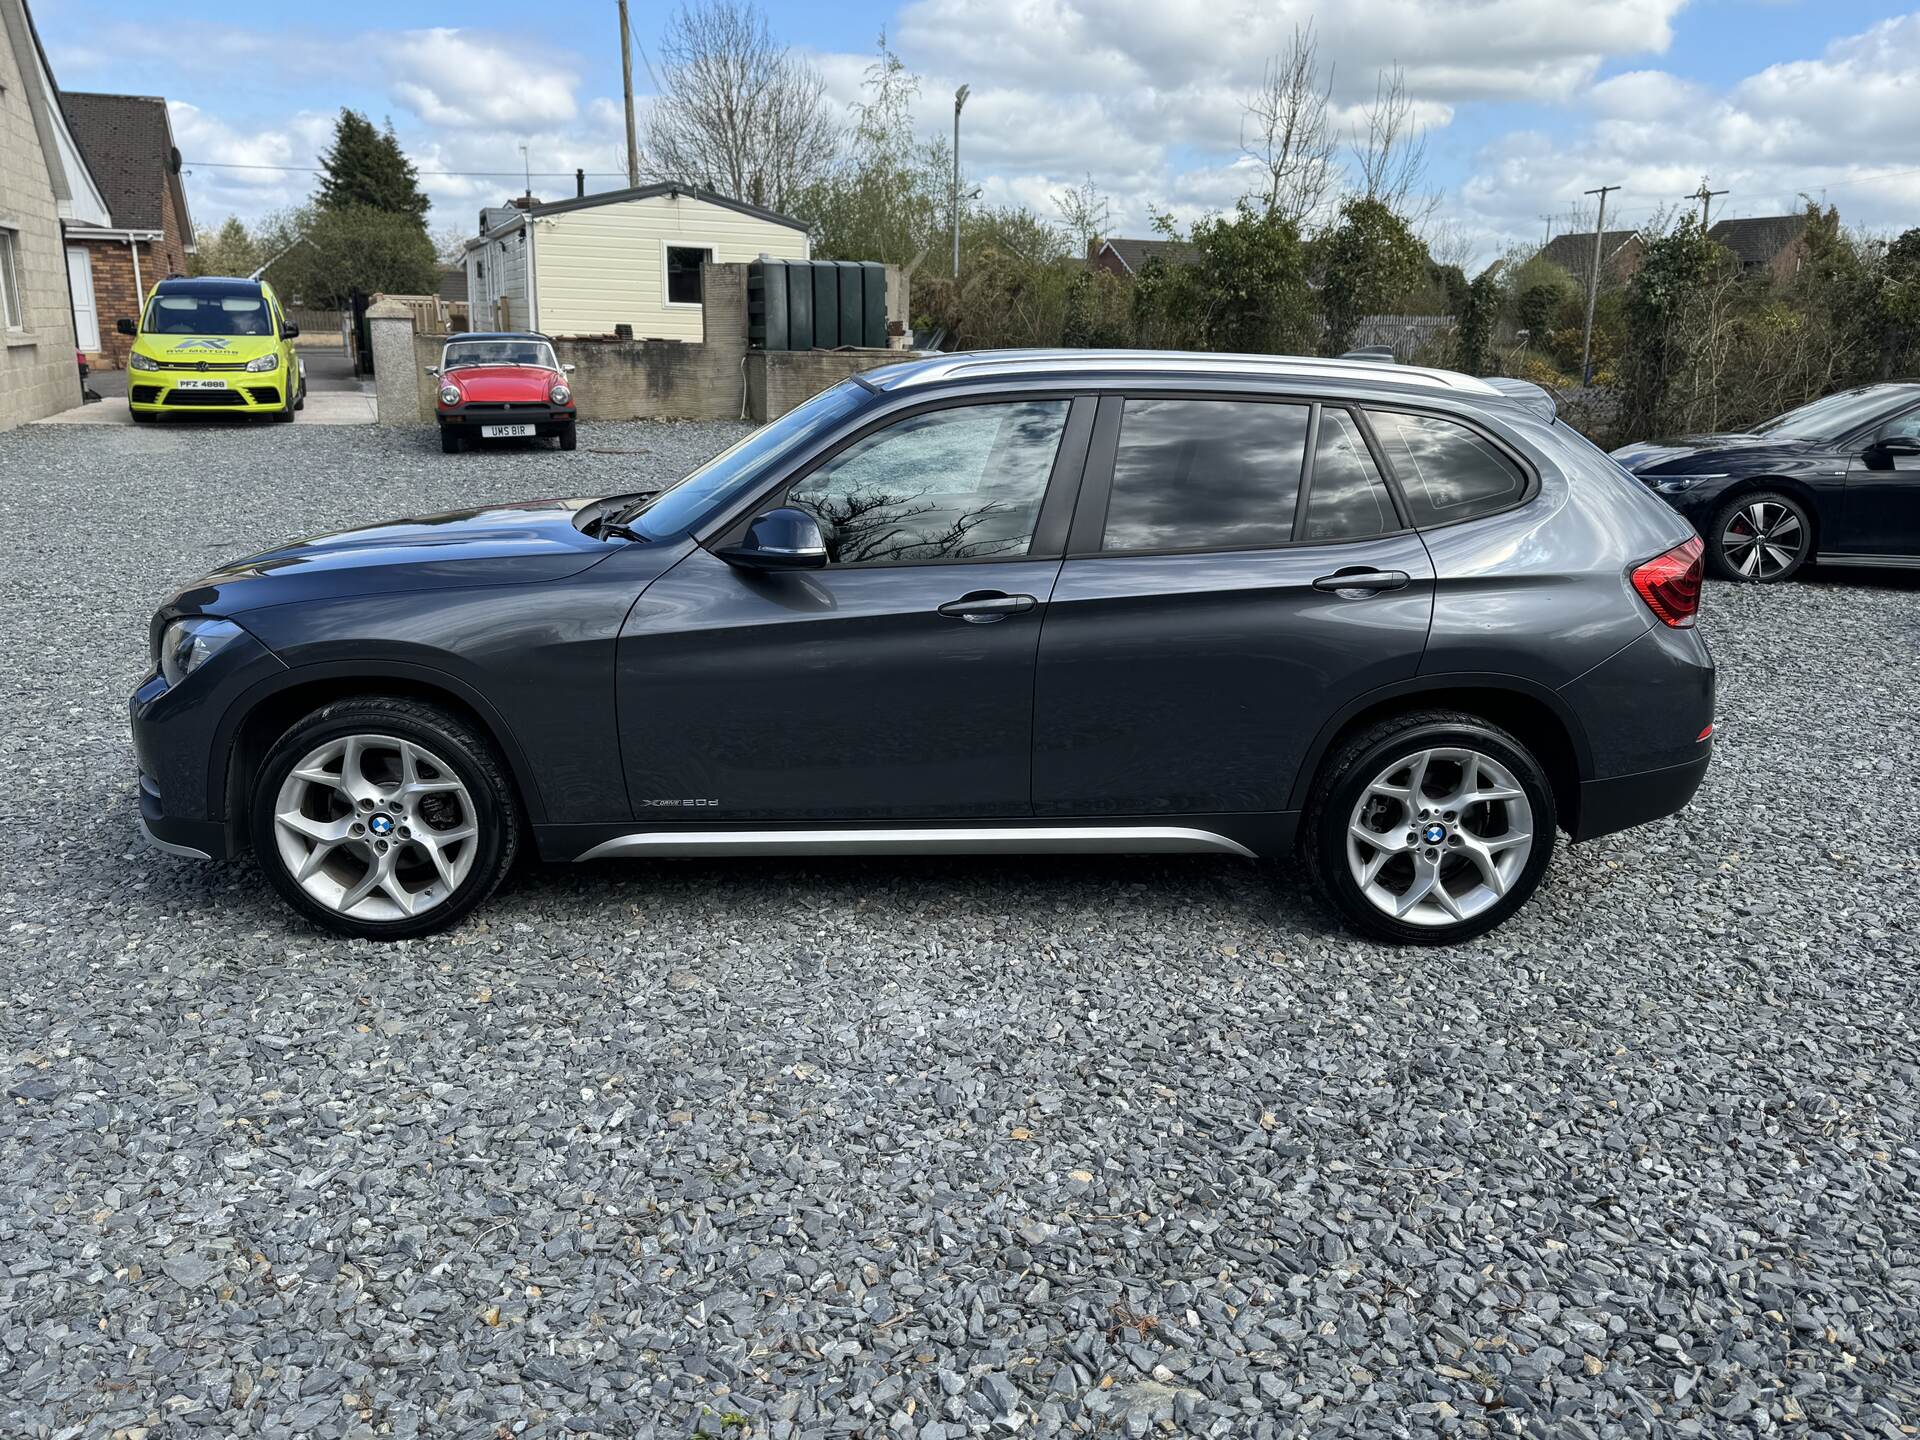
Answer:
x=213 y=344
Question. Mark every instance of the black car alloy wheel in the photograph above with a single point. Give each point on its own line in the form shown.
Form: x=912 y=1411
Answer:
x=1762 y=535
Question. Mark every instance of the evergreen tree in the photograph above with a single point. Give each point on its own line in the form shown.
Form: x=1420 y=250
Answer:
x=365 y=169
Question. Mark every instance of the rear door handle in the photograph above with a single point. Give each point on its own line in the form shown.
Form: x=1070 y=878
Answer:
x=1364 y=582
x=983 y=607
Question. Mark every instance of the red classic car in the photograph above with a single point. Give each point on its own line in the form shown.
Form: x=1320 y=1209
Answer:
x=502 y=386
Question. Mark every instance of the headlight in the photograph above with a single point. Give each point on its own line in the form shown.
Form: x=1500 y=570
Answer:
x=449 y=395
x=1680 y=484
x=269 y=361
x=186 y=645
x=137 y=361
x=559 y=395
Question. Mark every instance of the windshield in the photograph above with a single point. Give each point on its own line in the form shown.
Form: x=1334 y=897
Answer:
x=499 y=352
x=208 y=315
x=1833 y=416
x=719 y=482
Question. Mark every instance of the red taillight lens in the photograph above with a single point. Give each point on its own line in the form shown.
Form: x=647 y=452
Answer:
x=1670 y=583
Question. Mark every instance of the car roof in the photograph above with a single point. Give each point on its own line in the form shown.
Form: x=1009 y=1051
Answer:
x=1147 y=365
x=210 y=286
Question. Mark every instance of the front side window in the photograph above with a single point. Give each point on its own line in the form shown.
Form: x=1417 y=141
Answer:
x=1348 y=499
x=1446 y=471
x=11 y=315
x=1205 y=475
x=957 y=484
x=683 y=273
x=1901 y=427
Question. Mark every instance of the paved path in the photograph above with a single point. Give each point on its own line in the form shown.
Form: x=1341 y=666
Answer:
x=324 y=407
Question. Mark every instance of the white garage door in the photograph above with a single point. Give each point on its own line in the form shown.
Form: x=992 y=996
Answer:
x=86 y=317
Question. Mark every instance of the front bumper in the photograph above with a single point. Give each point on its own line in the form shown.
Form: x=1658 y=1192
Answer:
x=243 y=392
x=547 y=419
x=185 y=839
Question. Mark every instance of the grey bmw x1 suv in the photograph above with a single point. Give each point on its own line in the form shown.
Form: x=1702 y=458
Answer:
x=1401 y=619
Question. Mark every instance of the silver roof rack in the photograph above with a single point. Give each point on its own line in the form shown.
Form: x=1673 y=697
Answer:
x=988 y=364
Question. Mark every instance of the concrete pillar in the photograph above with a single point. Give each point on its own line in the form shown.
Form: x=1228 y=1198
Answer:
x=396 y=371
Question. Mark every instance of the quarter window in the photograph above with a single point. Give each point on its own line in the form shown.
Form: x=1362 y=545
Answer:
x=1205 y=475
x=958 y=484
x=1446 y=471
x=683 y=273
x=1348 y=498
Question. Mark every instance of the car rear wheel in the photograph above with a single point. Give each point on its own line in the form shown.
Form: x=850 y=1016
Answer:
x=384 y=818
x=568 y=438
x=451 y=441
x=1763 y=536
x=1431 y=828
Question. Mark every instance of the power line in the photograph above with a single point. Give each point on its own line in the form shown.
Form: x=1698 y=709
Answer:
x=449 y=174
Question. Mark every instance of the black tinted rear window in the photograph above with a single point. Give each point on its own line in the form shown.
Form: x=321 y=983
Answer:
x=1446 y=471
x=1205 y=475
x=1349 y=498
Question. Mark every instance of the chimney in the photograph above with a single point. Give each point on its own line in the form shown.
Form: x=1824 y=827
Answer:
x=579 y=184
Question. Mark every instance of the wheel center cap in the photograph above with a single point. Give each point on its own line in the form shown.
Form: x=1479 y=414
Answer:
x=381 y=825
x=1434 y=833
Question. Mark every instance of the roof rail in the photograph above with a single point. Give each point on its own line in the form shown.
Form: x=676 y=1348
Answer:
x=985 y=364
x=1371 y=352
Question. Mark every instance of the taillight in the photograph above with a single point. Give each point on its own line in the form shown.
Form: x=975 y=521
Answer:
x=1670 y=583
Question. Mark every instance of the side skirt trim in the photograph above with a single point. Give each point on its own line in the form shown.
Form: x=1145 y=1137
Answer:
x=951 y=840
x=1891 y=562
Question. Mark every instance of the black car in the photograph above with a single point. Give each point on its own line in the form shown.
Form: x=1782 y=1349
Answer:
x=1836 y=481
x=1013 y=602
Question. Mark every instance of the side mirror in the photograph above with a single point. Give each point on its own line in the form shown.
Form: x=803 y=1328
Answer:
x=126 y=326
x=289 y=330
x=1898 y=445
x=568 y=368
x=433 y=369
x=782 y=539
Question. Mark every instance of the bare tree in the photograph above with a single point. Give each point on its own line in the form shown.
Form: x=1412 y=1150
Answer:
x=1085 y=213
x=1285 y=130
x=737 y=113
x=1392 y=155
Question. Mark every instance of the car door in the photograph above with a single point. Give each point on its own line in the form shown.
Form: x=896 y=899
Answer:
x=1881 y=509
x=1238 y=571
x=895 y=682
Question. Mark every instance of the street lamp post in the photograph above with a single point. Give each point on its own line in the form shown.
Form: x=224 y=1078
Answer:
x=959 y=99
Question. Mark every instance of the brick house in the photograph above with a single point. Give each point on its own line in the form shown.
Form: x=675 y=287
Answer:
x=128 y=144
x=44 y=189
x=1621 y=254
x=1122 y=256
x=1770 y=245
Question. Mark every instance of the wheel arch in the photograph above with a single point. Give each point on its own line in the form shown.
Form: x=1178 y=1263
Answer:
x=1789 y=485
x=1530 y=712
x=250 y=727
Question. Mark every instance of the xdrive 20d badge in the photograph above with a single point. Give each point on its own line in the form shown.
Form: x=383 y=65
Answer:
x=1035 y=602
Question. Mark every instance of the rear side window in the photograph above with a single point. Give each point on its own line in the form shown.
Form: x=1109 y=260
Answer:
x=1348 y=499
x=1205 y=475
x=1446 y=471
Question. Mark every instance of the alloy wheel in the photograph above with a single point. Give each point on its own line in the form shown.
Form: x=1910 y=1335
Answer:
x=375 y=827
x=1763 y=540
x=1439 y=836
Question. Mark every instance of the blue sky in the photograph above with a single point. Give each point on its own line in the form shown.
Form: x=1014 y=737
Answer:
x=1526 y=102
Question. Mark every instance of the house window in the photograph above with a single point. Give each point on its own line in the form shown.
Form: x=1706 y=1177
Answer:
x=683 y=272
x=12 y=316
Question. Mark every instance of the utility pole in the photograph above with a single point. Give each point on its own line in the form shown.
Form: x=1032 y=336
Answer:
x=1549 y=240
x=1593 y=284
x=1705 y=197
x=626 y=83
x=959 y=99
x=527 y=164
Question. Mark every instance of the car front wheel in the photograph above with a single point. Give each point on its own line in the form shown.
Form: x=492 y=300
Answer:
x=1431 y=828
x=451 y=441
x=384 y=818
x=1762 y=535
x=568 y=437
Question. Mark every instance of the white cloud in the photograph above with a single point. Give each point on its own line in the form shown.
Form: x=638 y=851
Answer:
x=457 y=78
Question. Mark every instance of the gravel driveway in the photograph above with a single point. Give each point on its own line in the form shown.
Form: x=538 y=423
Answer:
x=932 y=1148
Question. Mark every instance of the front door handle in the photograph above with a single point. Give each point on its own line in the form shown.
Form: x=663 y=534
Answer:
x=1358 y=581
x=983 y=607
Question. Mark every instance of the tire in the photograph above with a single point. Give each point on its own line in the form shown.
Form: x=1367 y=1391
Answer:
x=451 y=441
x=1469 y=901
x=300 y=401
x=142 y=417
x=1781 y=528
x=569 y=438
x=284 y=415
x=302 y=817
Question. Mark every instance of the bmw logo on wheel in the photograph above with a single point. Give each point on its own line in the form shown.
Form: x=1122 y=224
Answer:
x=381 y=824
x=1435 y=834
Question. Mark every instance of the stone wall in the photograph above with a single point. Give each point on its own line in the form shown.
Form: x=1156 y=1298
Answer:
x=714 y=379
x=37 y=371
